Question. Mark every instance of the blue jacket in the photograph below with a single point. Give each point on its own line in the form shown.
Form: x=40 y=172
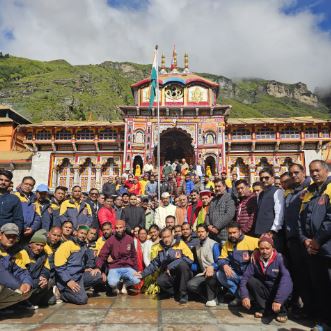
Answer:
x=11 y=210
x=275 y=277
x=315 y=216
x=189 y=186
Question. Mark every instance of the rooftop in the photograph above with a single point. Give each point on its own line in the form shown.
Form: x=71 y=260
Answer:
x=7 y=112
x=73 y=124
x=270 y=120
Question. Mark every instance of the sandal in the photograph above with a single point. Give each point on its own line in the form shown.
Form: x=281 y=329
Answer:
x=258 y=314
x=281 y=318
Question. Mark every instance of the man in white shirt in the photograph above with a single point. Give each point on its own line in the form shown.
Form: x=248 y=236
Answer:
x=164 y=210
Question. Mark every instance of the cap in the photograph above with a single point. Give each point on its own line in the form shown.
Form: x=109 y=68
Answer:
x=10 y=228
x=266 y=238
x=165 y=195
x=39 y=237
x=42 y=188
x=205 y=192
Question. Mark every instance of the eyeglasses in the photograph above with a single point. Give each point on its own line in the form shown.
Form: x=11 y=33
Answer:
x=265 y=178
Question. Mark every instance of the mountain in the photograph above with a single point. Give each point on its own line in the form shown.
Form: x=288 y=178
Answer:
x=57 y=90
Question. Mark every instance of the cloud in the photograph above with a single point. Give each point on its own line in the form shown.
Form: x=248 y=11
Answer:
x=235 y=38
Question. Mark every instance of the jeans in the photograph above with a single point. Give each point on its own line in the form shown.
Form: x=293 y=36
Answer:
x=125 y=274
x=205 y=287
x=231 y=284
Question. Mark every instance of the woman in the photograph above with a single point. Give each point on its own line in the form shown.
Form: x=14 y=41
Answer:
x=107 y=214
x=67 y=230
x=146 y=246
x=267 y=281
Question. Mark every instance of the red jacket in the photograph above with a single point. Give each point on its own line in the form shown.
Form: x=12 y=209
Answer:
x=107 y=215
x=191 y=218
x=246 y=213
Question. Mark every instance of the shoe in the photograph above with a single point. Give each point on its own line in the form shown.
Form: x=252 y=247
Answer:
x=27 y=305
x=124 y=291
x=234 y=303
x=183 y=299
x=212 y=303
x=132 y=290
x=115 y=291
x=52 y=301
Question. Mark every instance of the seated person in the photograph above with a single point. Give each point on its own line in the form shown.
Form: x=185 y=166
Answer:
x=205 y=282
x=74 y=270
x=36 y=261
x=173 y=260
x=15 y=280
x=119 y=255
x=189 y=237
x=91 y=239
x=235 y=257
x=107 y=231
x=67 y=230
x=267 y=282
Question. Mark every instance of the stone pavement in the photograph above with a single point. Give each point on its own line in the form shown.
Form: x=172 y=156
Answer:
x=140 y=313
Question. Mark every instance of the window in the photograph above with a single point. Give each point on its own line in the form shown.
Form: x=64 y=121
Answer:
x=108 y=134
x=29 y=136
x=139 y=137
x=210 y=138
x=43 y=135
x=85 y=134
x=325 y=133
x=290 y=133
x=265 y=133
x=63 y=135
x=241 y=134
x=311 y=133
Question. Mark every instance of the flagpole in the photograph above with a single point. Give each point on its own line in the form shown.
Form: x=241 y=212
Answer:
x=158 y=125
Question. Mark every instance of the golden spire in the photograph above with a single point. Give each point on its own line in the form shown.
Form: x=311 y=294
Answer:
x=186 y=69
x=163 y=65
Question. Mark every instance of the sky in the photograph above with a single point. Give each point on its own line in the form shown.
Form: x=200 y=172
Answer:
x=284 y=40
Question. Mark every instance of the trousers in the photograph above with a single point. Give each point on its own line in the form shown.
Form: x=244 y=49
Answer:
x=125 y=274
x=204 y=287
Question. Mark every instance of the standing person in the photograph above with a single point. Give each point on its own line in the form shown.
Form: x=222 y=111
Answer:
x=257 y=188
x=76 y=210
x=149 y=213
x=107 y=214
x=143 y=183
x=227 y=180
x=270 y=212
x=164 y=210
x=205 y=198
x=93 y=201
x=172 y=186
x=133 y=215
x=194 y=207
x=167 y=169
x=120 y=256
x=187 y=185
x=148 y=167
x=56 y=201
x=221 y=212
x=109 y=188
x=199 y=170
x=151 y=188
x=184 y=167
x=197 y=184
x=125 y=200
x=173 y=260
x=164 y=185
x=315 y=234
x=11 y=208
x=118 y=207
x=42 y=206
x=247 y=206
x=32 y=220
x=181 y=210
x=205 y=282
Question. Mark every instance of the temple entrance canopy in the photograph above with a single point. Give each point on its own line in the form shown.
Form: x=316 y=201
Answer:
x=175 y=144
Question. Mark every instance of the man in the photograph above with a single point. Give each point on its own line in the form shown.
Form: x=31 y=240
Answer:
x=277 y=182
x=133 y=215
x=199 y=170
x=266 y=281
x=173 y=260
x=164 y=186
x=197 y=184
x=177 y=231
x=149 y=213
x=43 y=205
x=106 y=213
x=118 y=206
x=257 y=188
x=92 y=200
x=205 y=198
x=285 y=181
x=91 y=238
x=270 y=212
x=109 y=187
x=194 y=207
x=207 y=253
x=15 y=280
x=221 y=212
x=170 y=222
x=107 y=231
x=187 y=185
x=172 y=186
x=151 y=187
x=164 y=210
x=234 y=259
x=74 y=269
x=56 y=201
x=54 y=237
x=176 y=166
x=184 y=167
x=148 y=167
x=247 y=206
x=295 y=250
x=125 y=200
x=189 y=237
x=11 y=208
x=228 y=181
x=77 y=211
x=315 y=234
x=32 y=220
x=119 y=255
x=167 y=169
x=181 y=210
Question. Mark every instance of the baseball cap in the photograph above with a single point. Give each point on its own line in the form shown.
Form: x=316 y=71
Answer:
x=10 y=228
x=165 y=195
x=42 y=188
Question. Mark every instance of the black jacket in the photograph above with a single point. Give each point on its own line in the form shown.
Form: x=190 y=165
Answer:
x=133 y=216
x=11 y=210
x=109 y=189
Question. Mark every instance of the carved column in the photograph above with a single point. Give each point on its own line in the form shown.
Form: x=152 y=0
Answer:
x=98 y=176
x=76 y=174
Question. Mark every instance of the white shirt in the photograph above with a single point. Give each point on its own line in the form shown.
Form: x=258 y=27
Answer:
x=279 y=203
x=161 y=213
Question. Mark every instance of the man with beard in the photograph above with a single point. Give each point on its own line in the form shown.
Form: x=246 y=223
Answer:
x=118 y=207
x=221 y=212
x=172 y=186
x=205 y=282
x=164 y=210
x=194 y=207
x=107 y=231
x=235 y=257
x=74 y=270
x=92 y=200
x=189 y=237
x=11 y=208
x=133 y=215
x=118 y=254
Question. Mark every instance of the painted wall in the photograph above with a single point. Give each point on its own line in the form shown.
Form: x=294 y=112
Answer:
x=40 y=167
x=6 y=134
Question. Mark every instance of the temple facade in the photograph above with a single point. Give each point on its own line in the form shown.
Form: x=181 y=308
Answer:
x=192 y=126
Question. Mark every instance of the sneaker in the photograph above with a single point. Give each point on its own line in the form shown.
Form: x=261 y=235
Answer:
x=27 y=305
x=183 y=299
x=124 y=291
x=52 y=301
x=211 y=303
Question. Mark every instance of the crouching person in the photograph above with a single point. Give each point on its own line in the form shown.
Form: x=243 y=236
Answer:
x=118 y=254
x=267 y=282
x=173 y=261
x=73 y=269
x=15 y=280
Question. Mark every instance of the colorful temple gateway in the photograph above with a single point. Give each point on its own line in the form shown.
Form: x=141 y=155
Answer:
x=192 y=126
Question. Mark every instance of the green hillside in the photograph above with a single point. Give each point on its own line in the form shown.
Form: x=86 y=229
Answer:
x=57 y=90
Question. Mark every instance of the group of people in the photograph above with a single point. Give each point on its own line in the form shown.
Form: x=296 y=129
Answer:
x=266 y=247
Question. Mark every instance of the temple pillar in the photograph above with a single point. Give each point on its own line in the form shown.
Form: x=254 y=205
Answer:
x=98 y=176
x=76 y=174
x=54 y=178
x=251 y=173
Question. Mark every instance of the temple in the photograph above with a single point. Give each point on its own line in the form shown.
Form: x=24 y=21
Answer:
x=192 y=126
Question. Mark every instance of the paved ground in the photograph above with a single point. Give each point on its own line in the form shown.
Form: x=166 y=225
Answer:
x=140 y=313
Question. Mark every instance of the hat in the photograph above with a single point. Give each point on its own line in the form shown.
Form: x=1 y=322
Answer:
x=266 y=238
x=205 y=193
x=39 y=237
x=42 y=188
x=10 y=228
x=165 y=195
x=83 y=227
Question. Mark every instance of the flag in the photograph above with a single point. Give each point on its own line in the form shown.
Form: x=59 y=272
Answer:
x=153 y=80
